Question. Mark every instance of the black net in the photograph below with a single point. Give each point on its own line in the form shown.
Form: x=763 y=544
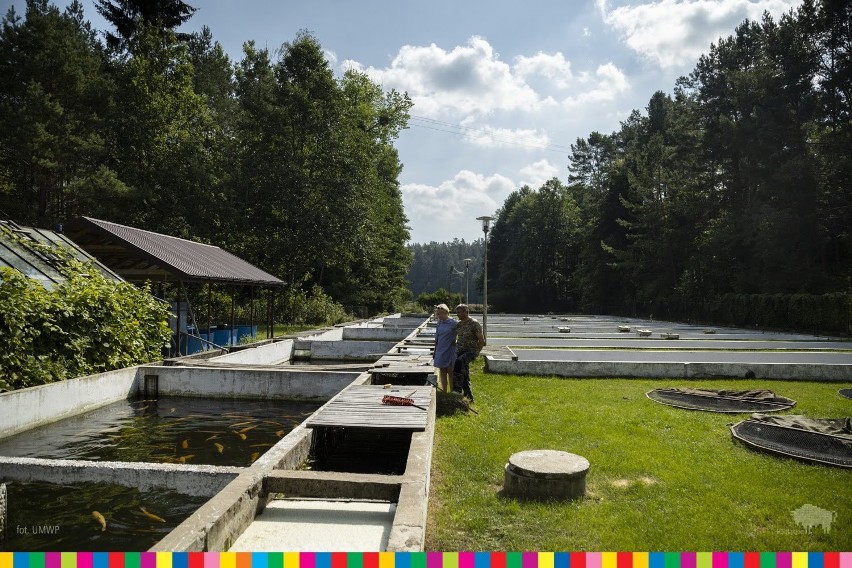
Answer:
x=846 y=393
x=721 y=401
x=795 y=443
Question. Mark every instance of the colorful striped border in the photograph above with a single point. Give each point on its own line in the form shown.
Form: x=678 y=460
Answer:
x=425 y=559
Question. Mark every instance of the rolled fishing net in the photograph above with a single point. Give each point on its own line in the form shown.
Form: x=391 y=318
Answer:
x=721 y=400
x=827 y=441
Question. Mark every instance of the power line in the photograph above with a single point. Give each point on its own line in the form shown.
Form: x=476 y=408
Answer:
x=469 y=132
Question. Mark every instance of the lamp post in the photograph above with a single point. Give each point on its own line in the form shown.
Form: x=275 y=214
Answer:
x=486 y=221
x=467 y=280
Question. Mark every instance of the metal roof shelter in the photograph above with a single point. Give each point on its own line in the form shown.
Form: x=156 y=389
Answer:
x=20 y=249
x=138 y=255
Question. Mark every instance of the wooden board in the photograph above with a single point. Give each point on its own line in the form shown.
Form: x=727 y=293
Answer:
x=360 y=406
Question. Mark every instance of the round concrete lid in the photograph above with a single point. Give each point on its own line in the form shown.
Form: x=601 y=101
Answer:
x=548 y=464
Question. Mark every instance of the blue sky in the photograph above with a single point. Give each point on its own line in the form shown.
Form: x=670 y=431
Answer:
x=501 y=89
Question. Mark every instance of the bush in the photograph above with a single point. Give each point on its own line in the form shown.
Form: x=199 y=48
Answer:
x=428 y=301
x=86 y=324
x=318 y=308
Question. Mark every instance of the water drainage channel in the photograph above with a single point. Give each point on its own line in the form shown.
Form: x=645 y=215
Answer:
x=309 y=485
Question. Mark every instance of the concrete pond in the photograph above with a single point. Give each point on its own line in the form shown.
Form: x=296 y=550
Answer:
x=285 y=445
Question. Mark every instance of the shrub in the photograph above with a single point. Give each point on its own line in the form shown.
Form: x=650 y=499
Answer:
x=318 y=308
x=86 y=324
x=428 y=301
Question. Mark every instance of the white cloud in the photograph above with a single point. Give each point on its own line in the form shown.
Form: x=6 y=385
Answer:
x=456 y=201
x=470 y=79
x=674 y=33
x=552 y=67
x=607 y=83
x=491 y=137
x=534 y=175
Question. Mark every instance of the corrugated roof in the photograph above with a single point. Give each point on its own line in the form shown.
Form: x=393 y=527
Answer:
x=138 y=255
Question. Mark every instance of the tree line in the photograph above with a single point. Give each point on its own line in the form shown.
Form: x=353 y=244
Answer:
x=734 y=190
x=273 y=157
x=455 y=267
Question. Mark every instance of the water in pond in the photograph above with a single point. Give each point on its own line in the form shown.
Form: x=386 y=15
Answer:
x=360 y=450
x=167 y=430
x=90 y=516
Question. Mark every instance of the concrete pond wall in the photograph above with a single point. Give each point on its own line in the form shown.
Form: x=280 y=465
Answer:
x=238 y=494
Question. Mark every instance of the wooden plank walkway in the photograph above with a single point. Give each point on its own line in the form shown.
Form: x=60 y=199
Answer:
x=360 y=406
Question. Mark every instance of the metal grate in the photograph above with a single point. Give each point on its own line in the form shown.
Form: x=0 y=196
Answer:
x=795 y=443
x=717 y=403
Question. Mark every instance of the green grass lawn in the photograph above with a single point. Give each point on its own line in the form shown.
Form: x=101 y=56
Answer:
x=661 y=478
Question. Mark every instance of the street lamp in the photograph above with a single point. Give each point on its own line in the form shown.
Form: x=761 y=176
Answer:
x=486 y=221
x=467 y=280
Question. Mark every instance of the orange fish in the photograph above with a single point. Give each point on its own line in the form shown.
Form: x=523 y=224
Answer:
x=219 y=446
x=254 y=456
x=183 y=459
x=100 y=518
x=152 y=516
x=184 y=444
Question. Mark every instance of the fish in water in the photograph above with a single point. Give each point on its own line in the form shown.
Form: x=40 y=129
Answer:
x=280 y=433
x=152 y=516
x=219 y=447
x=246 y=429
x=241 y=435
x=261 y=446
x=213 y=437
x=184 y=444
x=240 y=424
x=254 y=456
x=184 y=459
x=101 y=520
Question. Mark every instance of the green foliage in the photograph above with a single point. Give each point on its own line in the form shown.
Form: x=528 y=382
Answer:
x=87 y=324
x=442 y=265
x=278 y=161
x=735 y=188
x=316 y=308
x=821 y=314
x=427 y=301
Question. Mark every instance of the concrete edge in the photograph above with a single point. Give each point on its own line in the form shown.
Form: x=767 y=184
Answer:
x=218 y=523
x=607 y=369
x=306 y=484
x=194 y=480
x=44 y=404
x=408 y=532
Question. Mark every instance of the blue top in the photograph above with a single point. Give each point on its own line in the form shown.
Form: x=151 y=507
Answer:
x=445 y=343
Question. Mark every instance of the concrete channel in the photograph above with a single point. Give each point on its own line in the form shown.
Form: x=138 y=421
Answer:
x=276 y=504
x=272 y=504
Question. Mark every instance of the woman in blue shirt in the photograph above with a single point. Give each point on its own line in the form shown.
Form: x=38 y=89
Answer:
x=445 y=346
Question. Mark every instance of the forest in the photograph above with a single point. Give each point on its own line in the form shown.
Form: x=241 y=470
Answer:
x=272 y=158
x=728 y=200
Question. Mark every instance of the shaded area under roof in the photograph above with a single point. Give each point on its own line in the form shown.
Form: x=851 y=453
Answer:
x=37 y=262
x=138 y=255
